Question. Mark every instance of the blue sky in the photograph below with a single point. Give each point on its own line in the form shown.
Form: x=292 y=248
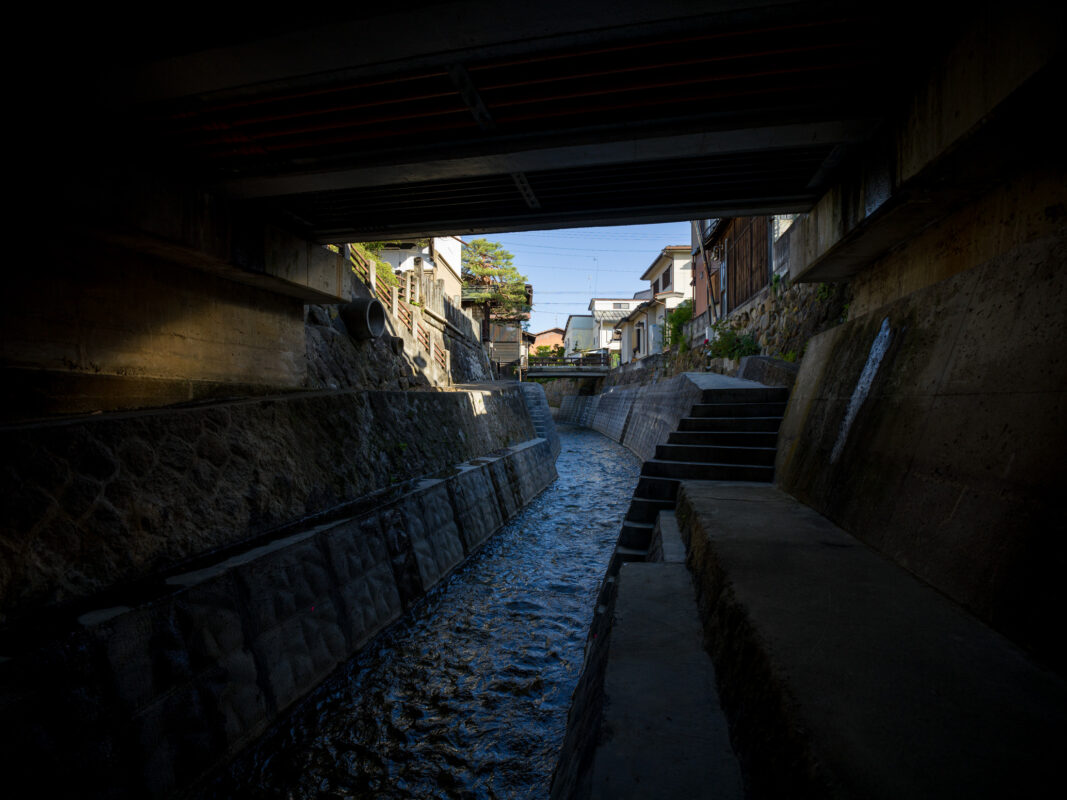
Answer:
x=568 y=267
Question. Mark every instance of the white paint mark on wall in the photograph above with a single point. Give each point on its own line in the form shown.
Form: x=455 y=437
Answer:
x=863 y=386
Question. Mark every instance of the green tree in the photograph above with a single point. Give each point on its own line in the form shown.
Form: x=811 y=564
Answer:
x=489 y=275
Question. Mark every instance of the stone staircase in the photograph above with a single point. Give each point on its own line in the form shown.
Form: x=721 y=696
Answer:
x=729 y=436
x=645 y=652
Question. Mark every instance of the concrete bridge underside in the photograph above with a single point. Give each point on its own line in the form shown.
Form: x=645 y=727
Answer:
x=188 y=177
x=449 y=117
x=185 y=178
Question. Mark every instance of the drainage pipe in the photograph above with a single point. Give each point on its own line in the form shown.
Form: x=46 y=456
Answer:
x=364 y=318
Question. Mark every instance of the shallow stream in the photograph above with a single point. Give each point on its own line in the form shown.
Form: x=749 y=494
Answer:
x=467 y=696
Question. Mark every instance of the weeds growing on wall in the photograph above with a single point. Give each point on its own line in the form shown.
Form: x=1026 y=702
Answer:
x=727 y=343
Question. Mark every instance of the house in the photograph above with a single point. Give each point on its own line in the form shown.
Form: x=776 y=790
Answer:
x=606 y=314
x=580 y=334
x=552 y=337
x=735 y=259
x=670 y=274
x=635 y=330
x=439 y=259
x=641 y=331
x=502 y=334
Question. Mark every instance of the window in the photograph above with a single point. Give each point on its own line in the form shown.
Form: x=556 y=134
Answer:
x=655 y=287
x=666 y=278
x=620 y=305
x=637 y=340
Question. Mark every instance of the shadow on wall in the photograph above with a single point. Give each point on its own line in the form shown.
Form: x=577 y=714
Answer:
x=952 y=461
x=222 y=652
x=393 y=361
x=90 y=503
x=112 y=329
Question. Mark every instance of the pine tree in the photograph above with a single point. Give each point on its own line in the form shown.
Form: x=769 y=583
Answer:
x=489 y=275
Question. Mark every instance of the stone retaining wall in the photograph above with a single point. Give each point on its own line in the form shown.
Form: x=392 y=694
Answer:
x=90 y=503
x=143 y=700
x=396 y=360
x=638 y=417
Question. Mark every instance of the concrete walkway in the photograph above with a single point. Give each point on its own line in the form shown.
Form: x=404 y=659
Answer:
x=663 y=732
x=844 y=676
x=713 y=380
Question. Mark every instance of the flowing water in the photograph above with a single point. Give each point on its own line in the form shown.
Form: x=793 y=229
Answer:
x=467 y=697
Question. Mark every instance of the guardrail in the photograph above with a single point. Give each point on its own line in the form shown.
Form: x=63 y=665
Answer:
x=595 y=360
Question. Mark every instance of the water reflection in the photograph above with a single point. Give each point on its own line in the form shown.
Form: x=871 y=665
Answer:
x=468 y=696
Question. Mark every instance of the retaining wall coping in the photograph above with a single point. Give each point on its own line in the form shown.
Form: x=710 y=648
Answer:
x=845 y=676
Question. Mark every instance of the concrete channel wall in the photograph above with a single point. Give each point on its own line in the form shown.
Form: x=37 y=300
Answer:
x=146 y=698
x=638 y=417
x=148 y=685
x=93 y=502
x=932 y=425
x=158 y=684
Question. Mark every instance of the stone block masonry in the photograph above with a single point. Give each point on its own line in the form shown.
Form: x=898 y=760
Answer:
x=143 y=699
x=104 y=500
x=638 y=417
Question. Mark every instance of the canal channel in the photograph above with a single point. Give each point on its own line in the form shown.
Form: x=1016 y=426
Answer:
x=466 y=697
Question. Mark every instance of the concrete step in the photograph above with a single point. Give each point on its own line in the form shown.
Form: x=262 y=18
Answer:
x=725 y=438
x=695 y=471
x=667 y=544
x=643 y=509
x=651 y=487
x=663 y=732
x=769 y=394
x=738 y=410
x=713 y=454
x=898 y=691
x=631 y=553
x=626 y=555
x=725 y=424
x=637 y=535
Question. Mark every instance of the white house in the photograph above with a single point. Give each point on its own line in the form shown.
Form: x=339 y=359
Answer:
x=607 y=311
x=580 y=334
x=440 y=257
x=670 y=283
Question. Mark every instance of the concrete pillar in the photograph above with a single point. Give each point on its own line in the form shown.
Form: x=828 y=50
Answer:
x=416 y=317
x=407 y=286
x=448 y=364
x=372 y=276
x=394 y=299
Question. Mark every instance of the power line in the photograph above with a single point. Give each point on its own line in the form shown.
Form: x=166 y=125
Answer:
x=603 y=295
x=576 y=268
x=581 y=249
x=607 y=236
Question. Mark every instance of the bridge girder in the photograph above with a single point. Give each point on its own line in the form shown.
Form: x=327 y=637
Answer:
x=451 y=117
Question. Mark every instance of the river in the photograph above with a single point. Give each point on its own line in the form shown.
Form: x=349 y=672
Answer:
x=467 y=696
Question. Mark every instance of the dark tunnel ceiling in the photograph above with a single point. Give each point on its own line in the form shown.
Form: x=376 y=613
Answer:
x=739 y=111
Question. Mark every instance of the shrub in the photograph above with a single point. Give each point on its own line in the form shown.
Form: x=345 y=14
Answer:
x=676 y=320
x=383 y=269
x=728 y=344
